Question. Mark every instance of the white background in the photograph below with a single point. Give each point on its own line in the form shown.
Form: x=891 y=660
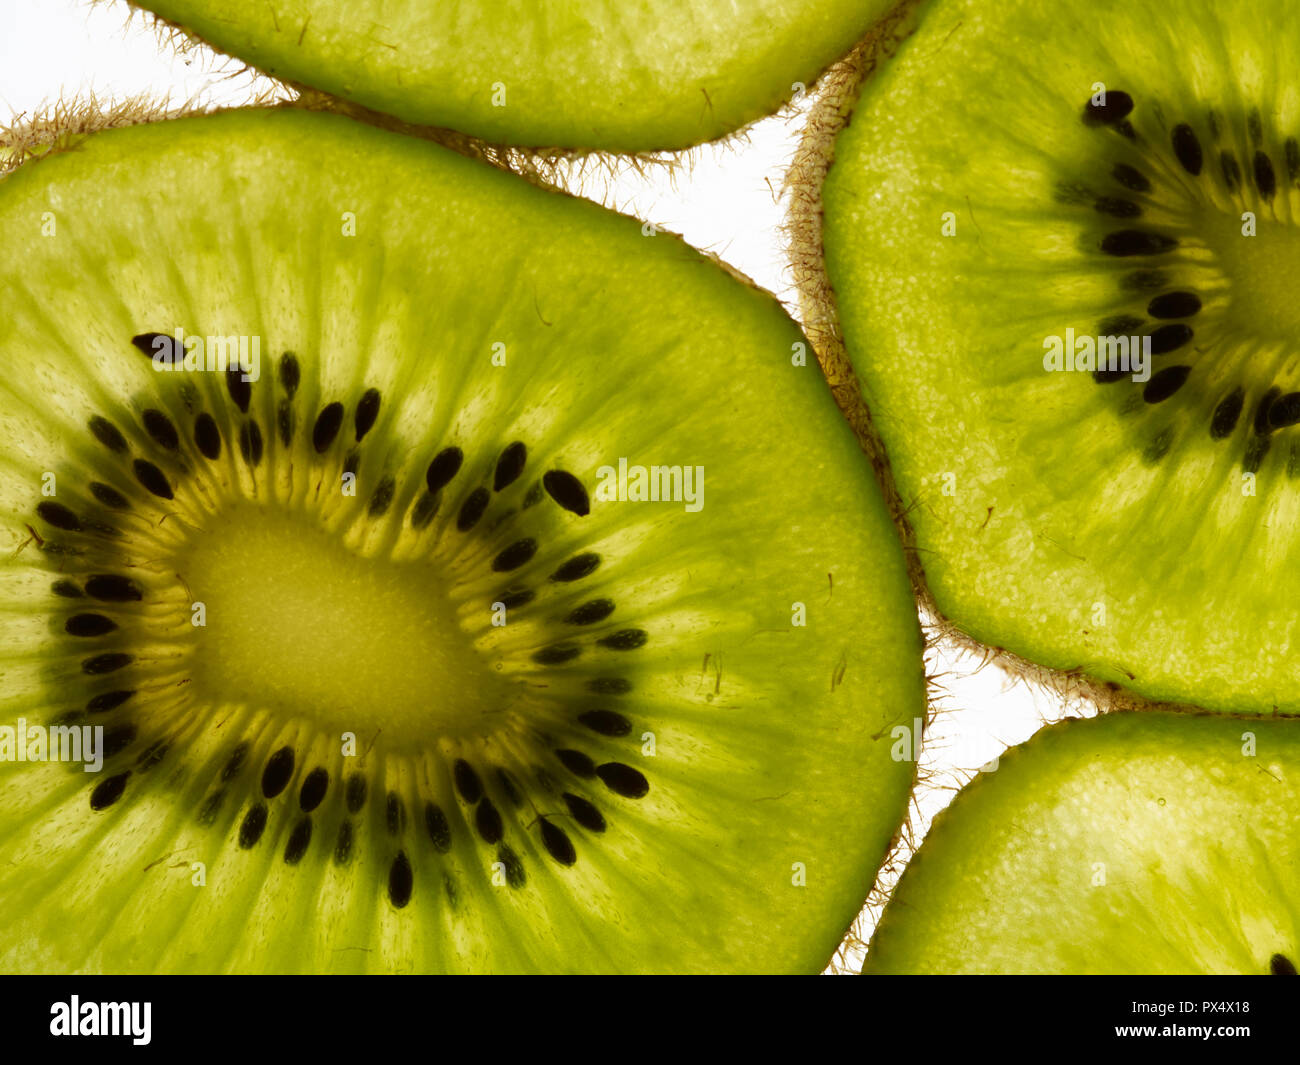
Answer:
x=725 y=198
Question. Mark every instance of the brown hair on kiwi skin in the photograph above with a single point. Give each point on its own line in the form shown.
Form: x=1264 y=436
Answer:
x=819 y=315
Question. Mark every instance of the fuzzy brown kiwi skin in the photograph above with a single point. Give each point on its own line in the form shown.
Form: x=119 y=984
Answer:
x=819 y=314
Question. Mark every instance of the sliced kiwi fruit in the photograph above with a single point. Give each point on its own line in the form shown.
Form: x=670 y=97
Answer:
x=993 y=207
x=393 y=673
x=623 y=75
x=1133 y=843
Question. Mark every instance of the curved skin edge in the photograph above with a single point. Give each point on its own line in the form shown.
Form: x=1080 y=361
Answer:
x=1026 y=751
x=819 y=314
x=60 y=127
x=520 y=158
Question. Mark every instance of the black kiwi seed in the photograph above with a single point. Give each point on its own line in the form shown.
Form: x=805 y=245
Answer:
x=327 y=427
x=623 y=780
x=356 y=793
x=241 y=391
x=395 y=814
x=400 y=880
x=352 y=463
x=313 y=789
x=1284 y=411
x=1144 y=280
x=557 y=655
x=279 y=768
x=1231 y=170
x=58 y=516
x=1255 y=126
x=88 y=625
x=472 y=509
x=568 y=491
x=516 y=597
x=445 y=465
x=299 y=839
x=207 y=814
x=557 y=843
x=467 y=781
x=1118 y=106
x=1281 y=965
x=152 y=478
x=425 y=509
x=1129 y=242
x=1170 y=338
x=510 y=465
x=584 y=812
x=514 y=868
x=1117 y=208
x=606 y=722
x=117 y=739
x=591 y=612
x=631 y=639
x=576 y=762
x=1256 y=452
x=289 y=373
x=343 y=846
x=106 y=663
x=1130 y=177
x=514 y=556
x=1227 y=414
x=435 y=823
x=108 y=434
x=577 y=567
x=1165 y=384
x=113 y=588
x=1174 y=305
x=1261 y=411
x=207 y=437
x=1265 y=179
x=367 y=412
x=251 y=828
x=168 y=351
x=161 y=430
x=383 y=497
x=66 y=589
x=487 y=819
x=284 y=422
x=508 y=786
x=1291 y=151
x=108 y=791
x=1120 y=325
x=250 y=442
x=109 y=496
x=1187 y=149
x=235 y=762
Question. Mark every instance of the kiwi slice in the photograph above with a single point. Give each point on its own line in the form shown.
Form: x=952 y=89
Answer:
x=525 y=607
x=993 y=209
x=624 y=75
x=1134 y=843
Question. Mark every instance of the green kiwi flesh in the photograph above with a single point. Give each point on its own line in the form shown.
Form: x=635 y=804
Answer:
x=392 y=677
x=988 y=204
x=1143 y=842
x=623 y=75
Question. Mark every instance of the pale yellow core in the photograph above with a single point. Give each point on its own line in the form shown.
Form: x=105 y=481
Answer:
x=1265 y=272
x=297 y=623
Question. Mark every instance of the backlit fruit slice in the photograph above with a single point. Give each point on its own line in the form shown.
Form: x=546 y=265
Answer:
x=994 y=206
x=530 y=610
x=625 y=75
x=1140 y=842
